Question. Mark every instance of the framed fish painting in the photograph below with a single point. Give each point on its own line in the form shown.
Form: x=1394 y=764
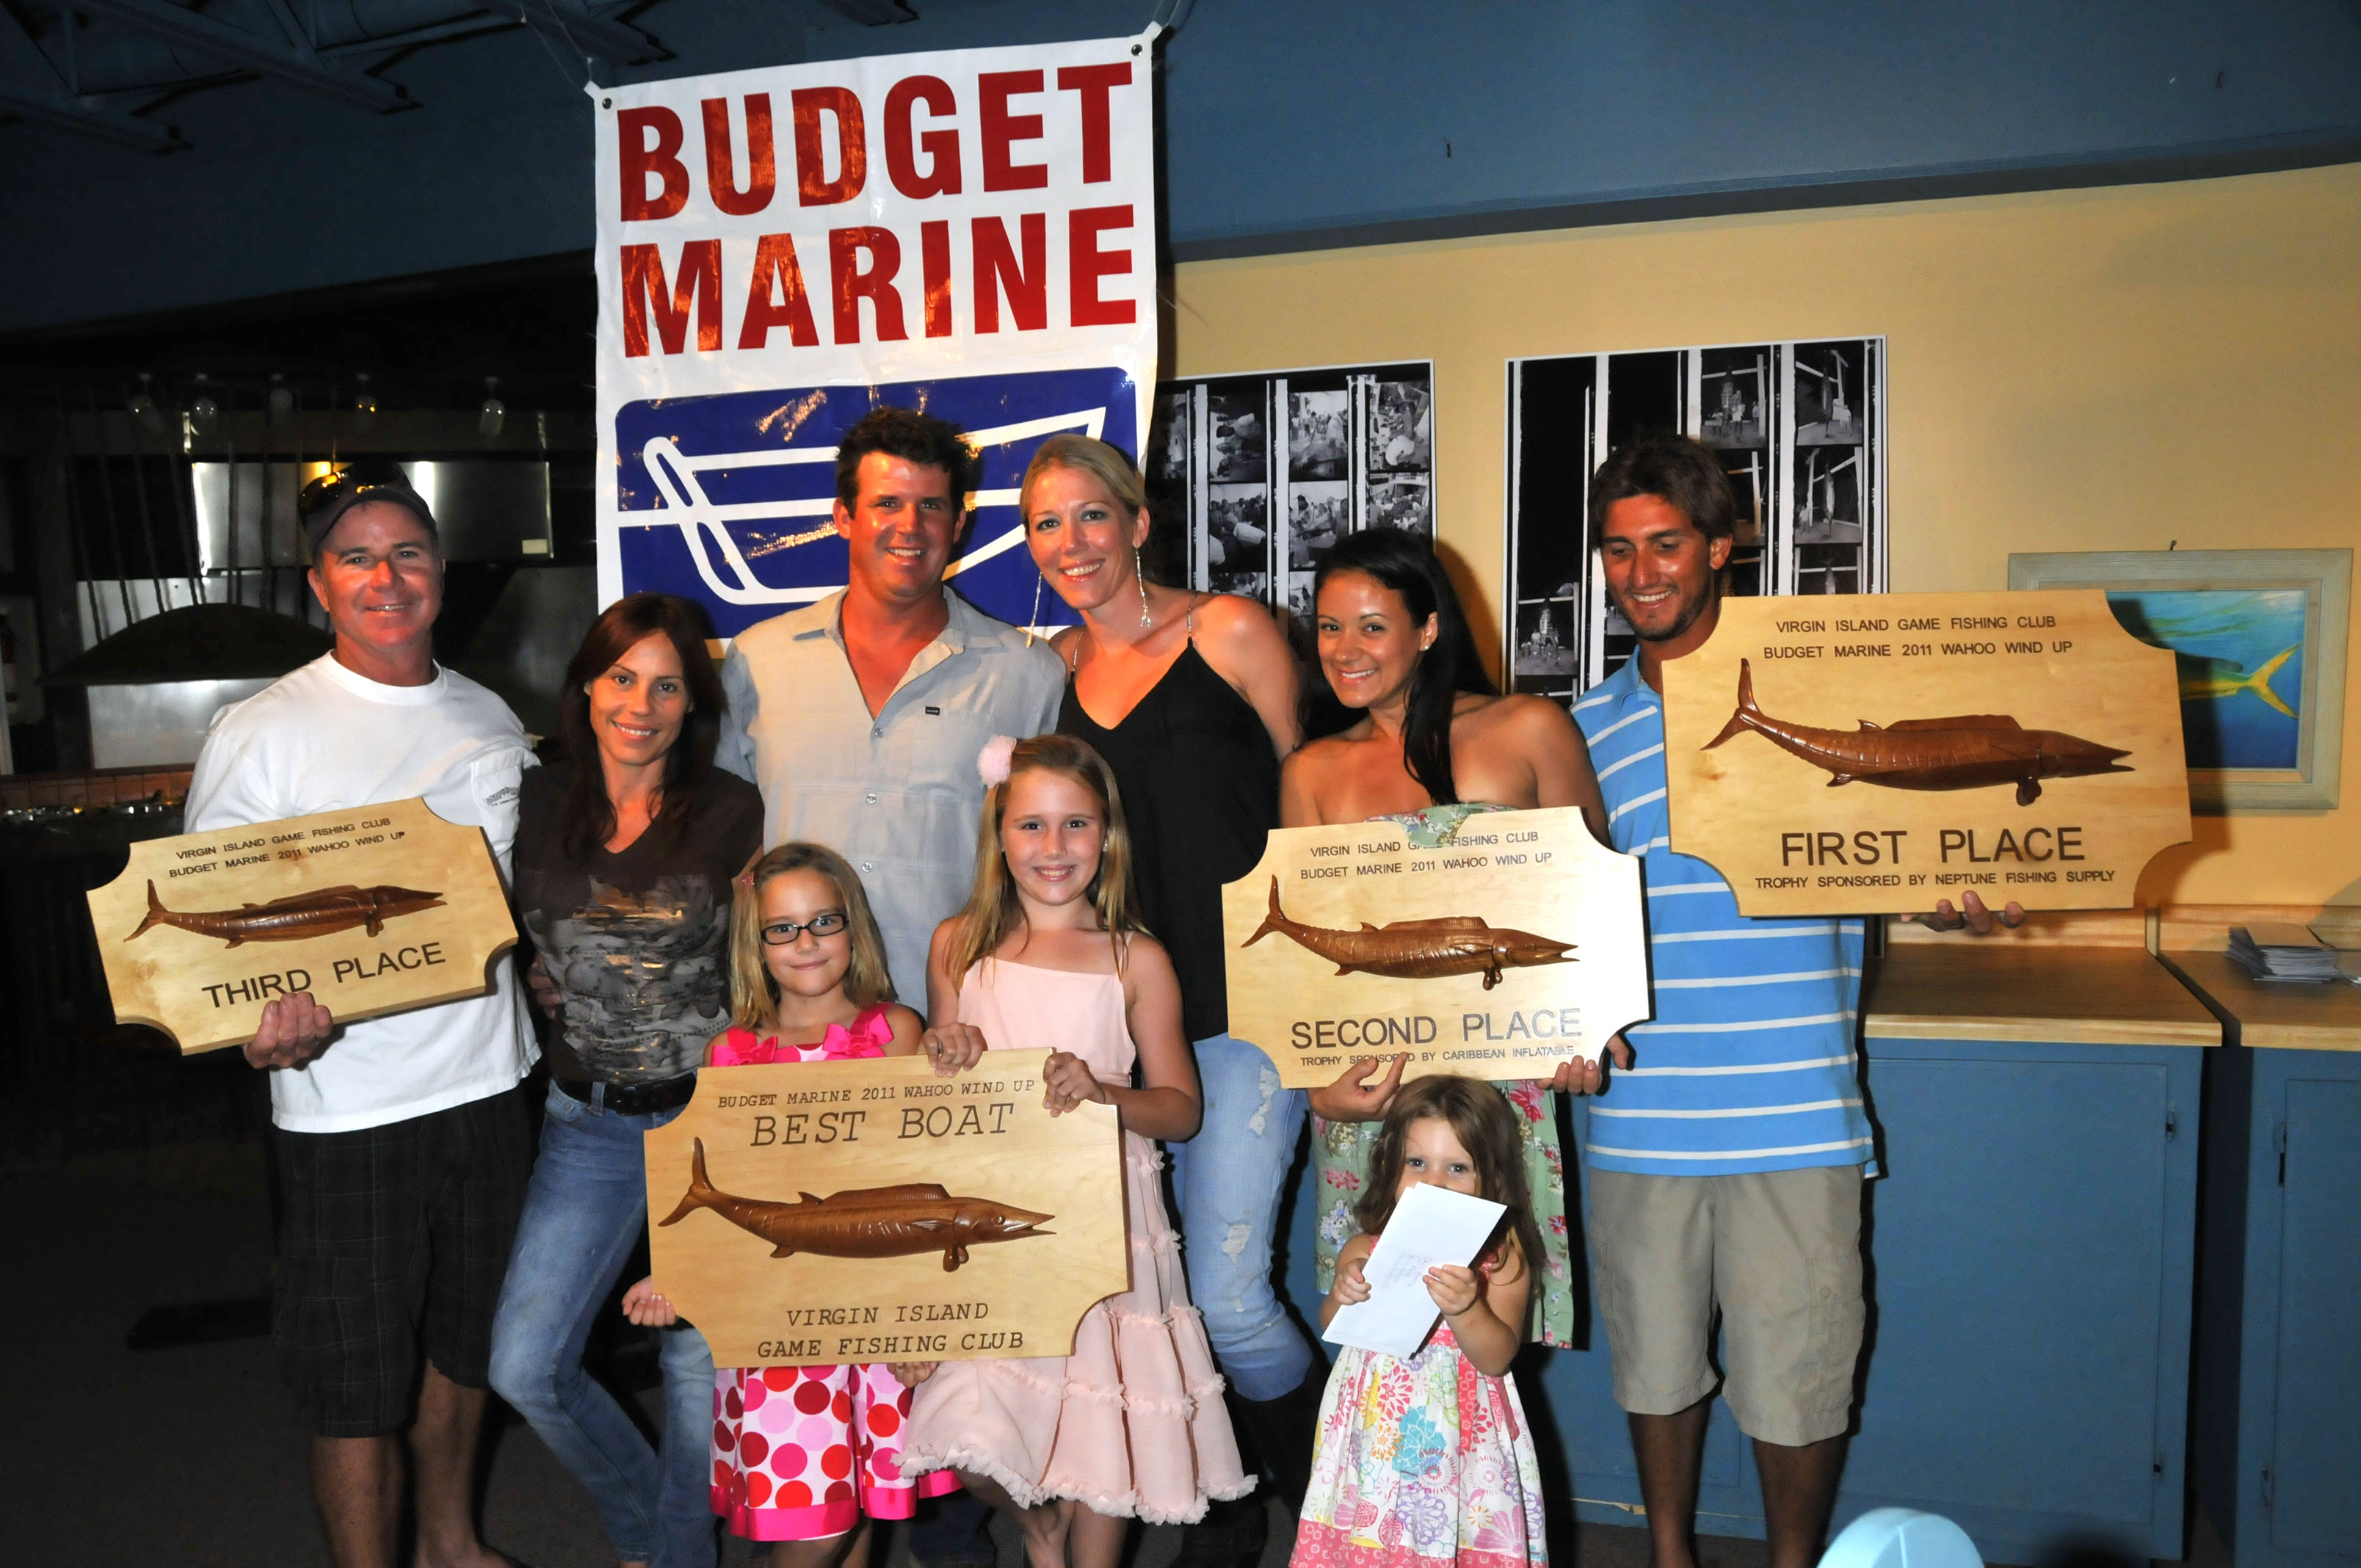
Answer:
x=2258 y=643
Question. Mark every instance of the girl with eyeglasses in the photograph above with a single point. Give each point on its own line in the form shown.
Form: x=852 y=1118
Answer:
x=807 y=982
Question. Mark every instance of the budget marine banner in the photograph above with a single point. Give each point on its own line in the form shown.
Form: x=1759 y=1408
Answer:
x=971 y=232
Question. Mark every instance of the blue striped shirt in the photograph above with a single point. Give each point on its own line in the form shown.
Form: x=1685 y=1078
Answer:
x=1749 y=1064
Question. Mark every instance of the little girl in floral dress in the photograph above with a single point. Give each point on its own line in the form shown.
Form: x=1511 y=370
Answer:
x=1427 y=1461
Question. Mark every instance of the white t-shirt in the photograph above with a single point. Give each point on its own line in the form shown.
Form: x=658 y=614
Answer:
x=323 y=739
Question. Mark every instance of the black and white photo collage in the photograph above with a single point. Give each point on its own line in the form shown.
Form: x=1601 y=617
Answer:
x=1271 y=470
x=1800 y=430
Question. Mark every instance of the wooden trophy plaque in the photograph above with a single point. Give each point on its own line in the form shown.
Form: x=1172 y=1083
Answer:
x=1512 y=945
x=1870 y=754
x=814 y=1213
x=379 y=909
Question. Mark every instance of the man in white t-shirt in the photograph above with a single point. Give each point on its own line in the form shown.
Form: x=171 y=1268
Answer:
x=403 y=1150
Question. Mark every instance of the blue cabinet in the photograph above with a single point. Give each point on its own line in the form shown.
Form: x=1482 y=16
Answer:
x=2031 y=1245
x=2278 y=1449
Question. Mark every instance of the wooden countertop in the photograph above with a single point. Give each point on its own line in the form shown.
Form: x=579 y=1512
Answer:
x=1958 y=991
x=2282 y=1018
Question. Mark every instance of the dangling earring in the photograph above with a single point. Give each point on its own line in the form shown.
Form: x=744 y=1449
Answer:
x=1035 y=619
x=1139 y=575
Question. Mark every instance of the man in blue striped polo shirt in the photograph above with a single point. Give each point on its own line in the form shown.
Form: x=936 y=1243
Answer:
x=1726 y=1156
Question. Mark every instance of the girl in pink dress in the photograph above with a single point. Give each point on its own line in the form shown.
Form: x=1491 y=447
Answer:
x=806 y=1456
x=1049 y=952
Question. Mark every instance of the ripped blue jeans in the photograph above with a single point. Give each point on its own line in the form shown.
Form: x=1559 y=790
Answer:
x=1228 y=1180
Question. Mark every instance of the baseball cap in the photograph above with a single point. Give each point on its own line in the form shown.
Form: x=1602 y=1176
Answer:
x=332 y=494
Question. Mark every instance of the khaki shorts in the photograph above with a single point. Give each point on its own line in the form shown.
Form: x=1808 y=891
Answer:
x=1778 y=1251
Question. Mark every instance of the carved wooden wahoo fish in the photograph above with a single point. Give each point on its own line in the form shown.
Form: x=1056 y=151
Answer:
x=868 y=1222
x=1417 y=949
x=298 y=915
x=1969 y=751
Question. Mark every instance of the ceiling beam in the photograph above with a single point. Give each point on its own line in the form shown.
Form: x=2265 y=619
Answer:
x=24 y=93
x=565 y=22
x=294 y=64
x=51 y=108
x=873 y=13
x=299 y=37
x=468 y=27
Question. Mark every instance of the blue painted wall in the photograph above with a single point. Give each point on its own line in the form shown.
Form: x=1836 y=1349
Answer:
x=1290 y=123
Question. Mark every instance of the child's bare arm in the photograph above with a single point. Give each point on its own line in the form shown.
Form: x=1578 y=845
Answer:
x=1487 y=1312
x=952 y=1046
x=908 y=1029
x=1351 y=1285
x=943 y=986
x=1169 y=1107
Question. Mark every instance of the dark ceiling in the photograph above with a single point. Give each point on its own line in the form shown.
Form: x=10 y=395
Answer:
x=425 y=343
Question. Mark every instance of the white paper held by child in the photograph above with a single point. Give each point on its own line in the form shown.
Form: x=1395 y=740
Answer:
x=1431 y=1226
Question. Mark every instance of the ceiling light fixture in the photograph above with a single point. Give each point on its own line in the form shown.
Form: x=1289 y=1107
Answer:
x=144 y=409
x=204 y=413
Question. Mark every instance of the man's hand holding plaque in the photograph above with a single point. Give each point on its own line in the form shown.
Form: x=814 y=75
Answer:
x=293 y=1031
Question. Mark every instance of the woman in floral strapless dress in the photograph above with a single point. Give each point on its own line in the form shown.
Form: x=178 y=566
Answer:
x=1434 y=741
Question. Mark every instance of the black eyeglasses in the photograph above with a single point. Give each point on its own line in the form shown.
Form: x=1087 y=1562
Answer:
x=782 y=933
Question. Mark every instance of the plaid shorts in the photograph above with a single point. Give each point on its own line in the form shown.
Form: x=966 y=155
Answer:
x=394 y=1240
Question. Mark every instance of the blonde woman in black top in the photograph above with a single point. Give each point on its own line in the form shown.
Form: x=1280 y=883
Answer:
x=1191 y=699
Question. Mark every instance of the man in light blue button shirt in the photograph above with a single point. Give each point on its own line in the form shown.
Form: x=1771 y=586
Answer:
x=860 y=716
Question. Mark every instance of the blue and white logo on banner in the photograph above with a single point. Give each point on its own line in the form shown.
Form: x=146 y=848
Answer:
x=729 y=499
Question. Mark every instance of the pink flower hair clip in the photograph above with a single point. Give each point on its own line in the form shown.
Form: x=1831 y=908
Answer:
x=992 y=763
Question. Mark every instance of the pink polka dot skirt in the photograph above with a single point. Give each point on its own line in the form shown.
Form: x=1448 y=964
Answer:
x=802 y=1453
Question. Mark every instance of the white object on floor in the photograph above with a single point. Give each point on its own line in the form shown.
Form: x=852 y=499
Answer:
x=1901 y=1537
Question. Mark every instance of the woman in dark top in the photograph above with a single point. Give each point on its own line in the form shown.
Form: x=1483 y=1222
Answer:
x=625 y=854
x=1434 y=744
x=1191 y=697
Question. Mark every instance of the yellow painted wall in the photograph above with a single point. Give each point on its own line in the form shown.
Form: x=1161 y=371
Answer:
x=2106 y=369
